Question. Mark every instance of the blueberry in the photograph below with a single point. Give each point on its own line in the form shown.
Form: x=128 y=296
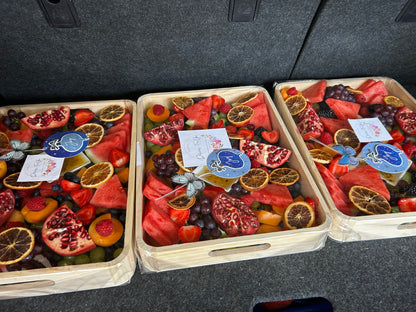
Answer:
x=56 y=188
x=60 y=198
x=36 y=193
x=72 y=177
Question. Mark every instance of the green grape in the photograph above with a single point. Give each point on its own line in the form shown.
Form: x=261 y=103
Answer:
x=117 y=252
x=82 y=259
x=407 y=177
x=217 y=117
x=155 y=148
x=97 y=255
x=255 y=205
x=66 y=261
x=222 y=115
x=148 y=126
x=37 y=226
x=68 y=203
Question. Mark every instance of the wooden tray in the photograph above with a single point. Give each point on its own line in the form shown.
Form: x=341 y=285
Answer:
x=55 y=280
x=233 y=248
x=345 y=228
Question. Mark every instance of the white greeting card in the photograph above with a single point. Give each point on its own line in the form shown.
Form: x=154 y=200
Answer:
x=370 y=130
x=196 y=145
x=41 y=167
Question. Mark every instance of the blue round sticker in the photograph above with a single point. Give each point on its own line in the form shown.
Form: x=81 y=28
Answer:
x=65 y=144
x=385 y=157
x=228 y=163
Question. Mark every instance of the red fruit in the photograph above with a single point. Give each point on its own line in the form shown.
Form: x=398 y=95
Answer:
x=104 y=227
x=165 y=133
x=268 y=155
x=6 y=205
x=364 y=111
x=199 y=114
x=83 y=116
x=397 y=136
x=69 y=186
x=361 y=99
x=336 y=169
x=217 y=101
x=81 y=197
x=24 y=135
x=225 y=108
x=407 y=120
x=234 y=216
x=292 y=91
x=332 y=125
x=246 y=133
x=409 y=149
x=326 y=138
x=2 y=126
x=53 y=118
x=231 y=129
x=176 y=116
x=255 y=164
x=261 y=117
x=86 y=214
x=118 y=158
x=158 y=109
x=212 y=191
x=270 y=136
x=36 y=203
x=179 y=216
x=63 y=232
x=407 y=204
x=218 y=124
x=189 y=233
x=273 y=194
x=316 y=92
x=309 y=124
x=343 y=109
x=248 y=199
x=311 y=203
x=155 y=187
x=110 y=195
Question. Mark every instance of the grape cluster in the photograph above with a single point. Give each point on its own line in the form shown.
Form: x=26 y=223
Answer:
x=201 y=216
x=165 y=164
x=12 y=119
x=384 y=112
x=339 y=92
x=238 y=190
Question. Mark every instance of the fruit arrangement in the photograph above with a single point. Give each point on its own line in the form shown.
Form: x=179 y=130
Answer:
x=323 y=114
x=78 y=218
x=182 y=207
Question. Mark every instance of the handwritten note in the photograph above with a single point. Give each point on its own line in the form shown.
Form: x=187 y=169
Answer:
x=41 y=167
x=369 y=130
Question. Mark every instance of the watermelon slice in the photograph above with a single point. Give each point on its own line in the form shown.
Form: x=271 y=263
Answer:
x=273 y=194
x=366 y=84
x=374 y=92
x=344 y=109
x=155 y=187
x=159 y=225
x=259 y=99
x=126 y=117
x=261 y=117
x=199 y=114
x=101 y=151
x=327 y=175
x=316 y=92
x=123 y=126
x=332 y=125
x=121 y=134
x=366 y=176
x=341 y=200
x=24 y=135
x=110 y=195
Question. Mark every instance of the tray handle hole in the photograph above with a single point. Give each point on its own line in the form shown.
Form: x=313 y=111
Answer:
x=407 y=226
x=238 y=250
x=26 y=285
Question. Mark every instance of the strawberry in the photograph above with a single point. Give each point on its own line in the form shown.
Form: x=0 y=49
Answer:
x=179 y=216
x=86 y=214
x=217 y=101
x=218 y=124
x=407 y=204
x=212 y=191
x=231 y=129
x=118 y=158
x=270 y=136
x=81 y=197
x=176 y=116
x=311 y=203
x=104 y=227
x=246 y=133
x=189 y=233
x=225 y=108
x=292 y=91
x=397 y=136
x=69 y=186
x=36 y=203
x=326 y=138
x=83 y=116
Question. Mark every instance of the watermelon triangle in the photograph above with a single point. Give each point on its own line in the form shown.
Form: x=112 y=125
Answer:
x=273 y=194
x=24 y=135
x=122 y=134
x=366 y=176
x=259 y=99
x=126 y=127
x=366 y=84
x=261 y=117
x=110 y=195
x=332 y=125
x=327 y=175
x=316 y=92
x=344 y=109
x=126 y=117
x=101 y=151
x=200 y=113
x=373 y=91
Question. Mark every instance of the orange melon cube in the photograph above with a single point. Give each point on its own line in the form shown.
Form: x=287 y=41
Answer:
x=265 y=228
x=279 y=210
x=267 y=217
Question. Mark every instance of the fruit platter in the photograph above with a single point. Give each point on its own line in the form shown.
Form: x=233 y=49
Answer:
x=358 y=137
x=67 y=197
x=221 y=181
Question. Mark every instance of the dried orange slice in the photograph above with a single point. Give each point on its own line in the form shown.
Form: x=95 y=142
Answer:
x=393 y=101
x=182 y=102
x=368 y=201
x=112 y=113
x=11 y=182
x=296 y=104
x=284 y=176
x=347 y=137
x=320 y=156
x=354 y=91
x=182 y=202
x=255 y=179
x=15 y=244
x=245 y=98
x=240 y=115
x=179 y=161
x=299 y=215
x=93 y=131
x=97 y=174
x=4 y=140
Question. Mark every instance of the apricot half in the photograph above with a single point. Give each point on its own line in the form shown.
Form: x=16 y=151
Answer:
x=112 y=233
x=33 y=216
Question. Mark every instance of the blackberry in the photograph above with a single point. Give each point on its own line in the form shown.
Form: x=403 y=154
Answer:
x=413 y=176
x=259 y=130
x=403 y=186
x=326 y=113
x=411 y=190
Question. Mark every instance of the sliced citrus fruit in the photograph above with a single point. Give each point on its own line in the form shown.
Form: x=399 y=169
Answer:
x=97 y=174
x=299 y=215
x=4 y=140
x=112 y=113
x=182 y=202
x=354 y=91
x=368 y=201
x=320 y=156
x=240 y=115
x=179 y=161
x=347 y=137
x=296 y=104
x=182 y=102
x=255 y=179
x=284 y=176
x=11 y=182
x=15 y=244
x=393 y=101
x=93 y=131
x=245 y=98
